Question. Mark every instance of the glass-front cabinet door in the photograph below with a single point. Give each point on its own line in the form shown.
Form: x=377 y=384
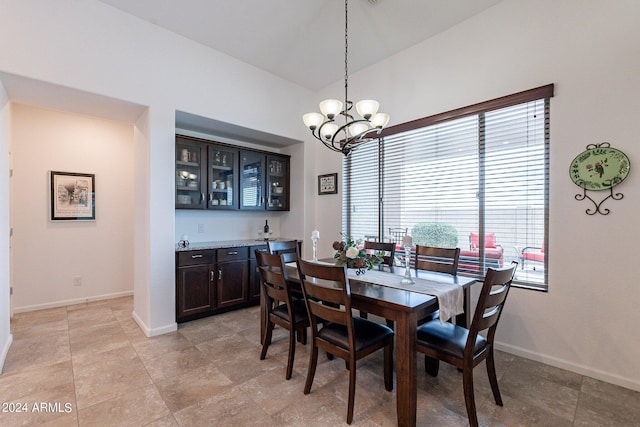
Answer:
x=223 y=172
x=277 y=183
x=190 y=175
x=252 y=180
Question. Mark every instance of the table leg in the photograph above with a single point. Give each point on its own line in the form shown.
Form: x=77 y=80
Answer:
x=406 y=369
x=263 y=315
x=464 y=319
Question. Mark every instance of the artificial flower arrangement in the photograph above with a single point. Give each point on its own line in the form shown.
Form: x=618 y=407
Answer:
x=350 y=253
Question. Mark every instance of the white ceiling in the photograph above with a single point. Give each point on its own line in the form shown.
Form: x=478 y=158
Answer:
x=302 y=41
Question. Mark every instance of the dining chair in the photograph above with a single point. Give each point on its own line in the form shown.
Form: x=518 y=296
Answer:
x=466 y=348
x=396 y=234
x=290 y=251
x=287 y=248
x=281 y=309
x=386 y=250
x=328 y=297
x=441 y=260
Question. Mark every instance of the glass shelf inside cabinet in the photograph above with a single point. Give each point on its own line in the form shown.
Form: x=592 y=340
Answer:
x=277 y=180
x=221 y=178
x=188 y=176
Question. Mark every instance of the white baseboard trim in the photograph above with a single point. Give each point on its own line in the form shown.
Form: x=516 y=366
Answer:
x=5 y=351
x=149 y=332
x=63 y=303
x=570 y=366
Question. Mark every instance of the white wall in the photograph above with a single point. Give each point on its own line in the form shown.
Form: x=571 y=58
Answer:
x=5 y=332
x=588 y=321
x=91 y=47
x=47 y=255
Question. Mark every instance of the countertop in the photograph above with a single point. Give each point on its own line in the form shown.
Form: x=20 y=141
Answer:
x=196 y=246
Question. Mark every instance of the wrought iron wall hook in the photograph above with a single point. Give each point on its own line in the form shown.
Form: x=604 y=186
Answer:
x=599 y=168
x=604 y=211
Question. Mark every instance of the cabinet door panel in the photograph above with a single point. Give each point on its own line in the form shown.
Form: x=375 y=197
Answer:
x=252 y=180
x=232 y=283
x=195 y=293
x=277 y=186
x=190 y=160
x=223 y=177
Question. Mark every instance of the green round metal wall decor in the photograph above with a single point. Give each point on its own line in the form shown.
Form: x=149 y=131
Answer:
x=599 y=167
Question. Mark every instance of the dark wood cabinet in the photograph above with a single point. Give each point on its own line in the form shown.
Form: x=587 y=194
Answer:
x=252 y=180
x=195 y=284
x=191 y=181
x=277 y=183
x=217 y=176
x=232 y=277
x=211 y=281
x=222 y=177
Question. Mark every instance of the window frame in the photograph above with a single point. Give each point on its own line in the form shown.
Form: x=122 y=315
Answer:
x=540 y=93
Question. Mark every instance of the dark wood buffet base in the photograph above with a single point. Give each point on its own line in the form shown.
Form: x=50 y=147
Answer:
x=214 y=277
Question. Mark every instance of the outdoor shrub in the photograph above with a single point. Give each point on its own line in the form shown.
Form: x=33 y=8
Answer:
x=436 y=234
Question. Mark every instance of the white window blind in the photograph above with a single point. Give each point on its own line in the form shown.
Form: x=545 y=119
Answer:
x=478 y=182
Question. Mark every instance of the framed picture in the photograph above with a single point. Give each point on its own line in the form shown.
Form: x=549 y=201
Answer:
x=73 y=196
x=328 y=184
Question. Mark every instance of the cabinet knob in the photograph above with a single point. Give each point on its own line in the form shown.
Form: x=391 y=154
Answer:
x=213 y=277
x=196 y=256
x=233 y=253
x=219 y=274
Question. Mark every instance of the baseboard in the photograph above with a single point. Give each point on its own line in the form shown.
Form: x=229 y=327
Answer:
x=570 y=366
x=5 y=351
x=64 y=303
x=149 y=332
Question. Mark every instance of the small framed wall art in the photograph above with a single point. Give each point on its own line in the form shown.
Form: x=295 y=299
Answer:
x=73 y=196
x=328 y=184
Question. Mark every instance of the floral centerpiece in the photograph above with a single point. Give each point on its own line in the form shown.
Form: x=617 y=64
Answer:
x=349 y=252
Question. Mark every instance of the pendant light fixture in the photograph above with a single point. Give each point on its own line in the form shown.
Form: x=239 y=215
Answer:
x=327 y=127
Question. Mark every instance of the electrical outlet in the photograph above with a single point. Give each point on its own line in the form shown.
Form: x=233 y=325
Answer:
x=77 y=281
x=200 y=228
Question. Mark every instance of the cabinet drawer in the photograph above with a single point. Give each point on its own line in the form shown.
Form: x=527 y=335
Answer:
x=207 y=256
x=233 y=254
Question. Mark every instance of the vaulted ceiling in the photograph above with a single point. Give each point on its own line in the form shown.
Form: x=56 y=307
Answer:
x=302 y=41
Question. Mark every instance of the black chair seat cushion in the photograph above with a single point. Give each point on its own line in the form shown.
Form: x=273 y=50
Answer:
x=447 y=338
x=299 y=312
x=366 y=333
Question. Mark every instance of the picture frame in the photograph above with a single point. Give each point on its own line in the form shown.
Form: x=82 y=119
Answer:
x=73 y=196
x=328 y=184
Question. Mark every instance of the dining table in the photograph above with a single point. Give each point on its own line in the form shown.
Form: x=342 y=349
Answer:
x=405 y=304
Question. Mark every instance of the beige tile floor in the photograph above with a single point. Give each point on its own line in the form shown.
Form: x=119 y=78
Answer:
x=94 y=367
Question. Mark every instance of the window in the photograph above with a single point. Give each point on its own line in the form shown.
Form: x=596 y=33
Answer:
x=475 y=178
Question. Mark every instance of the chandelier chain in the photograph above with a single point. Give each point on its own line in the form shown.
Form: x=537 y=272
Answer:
x=346 y=57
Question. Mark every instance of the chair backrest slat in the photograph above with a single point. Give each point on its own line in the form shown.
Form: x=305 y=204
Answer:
x=287 y=248
x=389 y=250
x=495 y=289
x=327 y=292
x=442 y=260
x=273 y=275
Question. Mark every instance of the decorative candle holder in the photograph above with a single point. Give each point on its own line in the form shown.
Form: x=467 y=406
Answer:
x=407 y=280
x=314 y=240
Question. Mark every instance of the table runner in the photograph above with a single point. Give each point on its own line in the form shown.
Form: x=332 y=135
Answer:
x=450 y=296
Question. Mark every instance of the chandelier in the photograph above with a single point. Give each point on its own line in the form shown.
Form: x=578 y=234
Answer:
x=355 y=131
